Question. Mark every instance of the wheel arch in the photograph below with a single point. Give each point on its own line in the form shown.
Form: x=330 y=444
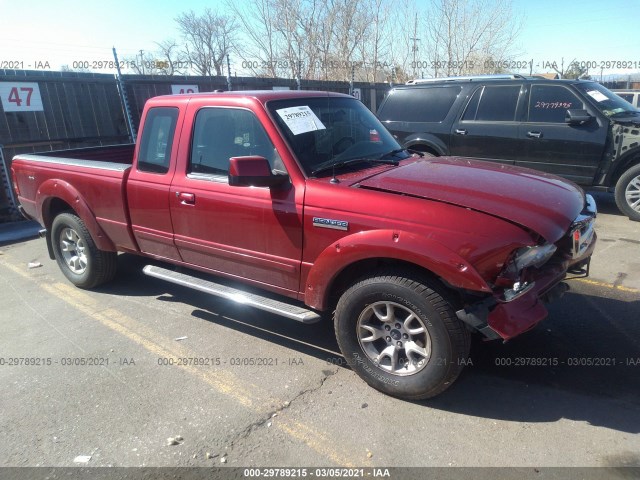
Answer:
x=57 y=196
x=629 y=160
x=426 y=142
x=353 y=256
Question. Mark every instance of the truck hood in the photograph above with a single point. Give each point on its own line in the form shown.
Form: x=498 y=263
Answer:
x=543 y=203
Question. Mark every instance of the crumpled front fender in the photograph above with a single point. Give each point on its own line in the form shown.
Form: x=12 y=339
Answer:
x=388 y=244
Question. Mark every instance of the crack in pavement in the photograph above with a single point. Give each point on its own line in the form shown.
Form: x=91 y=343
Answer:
x=249 y=429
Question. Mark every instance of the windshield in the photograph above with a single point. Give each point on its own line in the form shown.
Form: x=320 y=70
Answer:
x=607 y=102
x=326 y=130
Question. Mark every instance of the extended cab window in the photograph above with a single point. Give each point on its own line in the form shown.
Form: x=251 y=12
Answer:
x=430 y=104
x=493 y=104
x=222 y=133
x=549 y=103
x=157 y=138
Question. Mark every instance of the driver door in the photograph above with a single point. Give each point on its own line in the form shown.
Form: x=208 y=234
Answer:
x=245 y=232
x=553 y=146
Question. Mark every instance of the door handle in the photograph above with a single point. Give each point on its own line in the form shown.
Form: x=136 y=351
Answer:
x=186 y=198
x=461 y=131
x=534 y=134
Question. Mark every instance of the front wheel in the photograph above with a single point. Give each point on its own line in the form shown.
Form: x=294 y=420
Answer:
x=77 y=255
x=628 y=193
x=401 y=336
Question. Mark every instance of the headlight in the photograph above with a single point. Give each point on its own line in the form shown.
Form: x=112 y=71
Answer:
x=523 y=258
x=533 y=256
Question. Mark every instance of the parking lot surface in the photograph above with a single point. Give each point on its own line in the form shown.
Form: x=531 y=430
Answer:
x=112 y=374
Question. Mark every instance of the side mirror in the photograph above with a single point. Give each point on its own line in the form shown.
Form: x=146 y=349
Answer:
x=253 y=171
x=577 y=117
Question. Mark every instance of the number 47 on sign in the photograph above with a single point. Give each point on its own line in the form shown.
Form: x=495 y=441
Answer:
x=20 y=97
x=14 y=96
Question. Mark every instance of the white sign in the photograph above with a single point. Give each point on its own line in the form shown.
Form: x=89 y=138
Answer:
x=178 y=89
x=280 y=88
x=300 y=119
x=20 y=97
x=597 y=96
x=357 y=93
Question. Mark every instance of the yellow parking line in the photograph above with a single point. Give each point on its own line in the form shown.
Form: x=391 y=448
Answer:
x=607 y=285
x=250 y=396
x=316 y=440
x=222 y=381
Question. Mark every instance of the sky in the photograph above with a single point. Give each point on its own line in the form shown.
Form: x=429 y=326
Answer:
x=34 y=32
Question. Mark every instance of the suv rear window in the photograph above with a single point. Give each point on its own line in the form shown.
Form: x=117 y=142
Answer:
x=493 y=104
x=430 y=104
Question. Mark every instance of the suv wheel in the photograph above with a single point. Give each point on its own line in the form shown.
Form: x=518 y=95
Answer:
x=401 y=336
x=628 y=193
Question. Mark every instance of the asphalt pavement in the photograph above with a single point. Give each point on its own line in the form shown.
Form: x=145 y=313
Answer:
x=107 y=377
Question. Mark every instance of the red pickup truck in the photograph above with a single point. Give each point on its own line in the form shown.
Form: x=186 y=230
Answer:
x=309 y=202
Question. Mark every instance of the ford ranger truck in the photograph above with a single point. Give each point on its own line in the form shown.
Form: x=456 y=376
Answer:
x=307 y=200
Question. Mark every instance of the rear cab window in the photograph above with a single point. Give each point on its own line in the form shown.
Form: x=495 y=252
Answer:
x=423 y=104
x=157 y=140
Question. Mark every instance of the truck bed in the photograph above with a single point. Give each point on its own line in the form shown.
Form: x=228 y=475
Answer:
x=98 y=176
x=112 y=154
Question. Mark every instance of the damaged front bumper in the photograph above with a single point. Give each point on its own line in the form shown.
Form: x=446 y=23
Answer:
x=512 y=312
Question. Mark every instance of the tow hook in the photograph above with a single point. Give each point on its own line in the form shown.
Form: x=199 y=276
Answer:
x=555 y=293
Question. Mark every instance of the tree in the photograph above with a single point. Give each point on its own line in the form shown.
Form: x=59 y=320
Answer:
x=209 y=38
x=170 y=61
x=146 y=63
x=573 y=70
x=260 y=54
x=462 y=35
x=375 y=43
x=311 y=38
x=405 y=42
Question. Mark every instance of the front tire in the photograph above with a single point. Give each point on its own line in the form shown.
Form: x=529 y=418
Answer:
x=77 y=255
x=401 y=336
x=628 y=193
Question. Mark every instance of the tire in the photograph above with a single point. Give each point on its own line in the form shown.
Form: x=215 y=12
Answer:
x=424 y=153
x=77 y=255
x=419 y=360
x=628 y=193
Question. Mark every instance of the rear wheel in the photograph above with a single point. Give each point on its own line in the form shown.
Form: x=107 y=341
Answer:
x=628 y=193
x=401 y=336
x=77 y=255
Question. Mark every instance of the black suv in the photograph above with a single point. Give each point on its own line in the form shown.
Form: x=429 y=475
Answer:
x=573 y=128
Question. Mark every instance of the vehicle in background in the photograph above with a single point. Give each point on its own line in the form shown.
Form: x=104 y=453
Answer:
x=631 y=96
x=572 y=128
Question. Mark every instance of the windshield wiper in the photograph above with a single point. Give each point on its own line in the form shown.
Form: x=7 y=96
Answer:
x=323 y=167
x=393 y=152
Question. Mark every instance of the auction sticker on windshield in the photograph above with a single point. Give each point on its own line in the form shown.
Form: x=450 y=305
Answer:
x=597 y=96
x=300 y=119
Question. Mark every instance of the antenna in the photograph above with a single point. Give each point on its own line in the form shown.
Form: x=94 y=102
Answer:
x=333 y=180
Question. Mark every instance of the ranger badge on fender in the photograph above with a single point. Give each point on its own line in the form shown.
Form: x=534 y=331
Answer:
x=329 y=223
